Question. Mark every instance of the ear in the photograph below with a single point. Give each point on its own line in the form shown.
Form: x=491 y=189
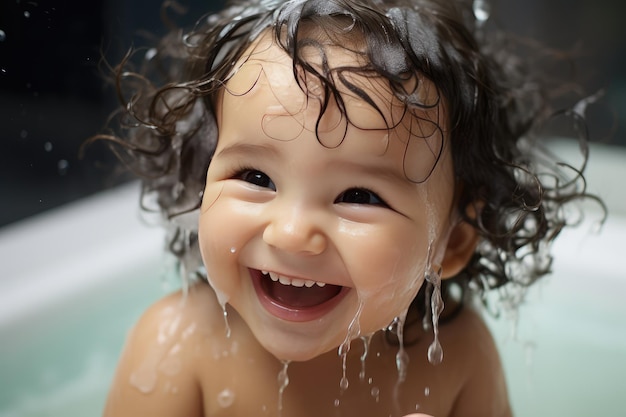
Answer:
x=460 y=248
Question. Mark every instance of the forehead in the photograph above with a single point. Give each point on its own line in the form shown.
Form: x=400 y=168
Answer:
x=265 y=89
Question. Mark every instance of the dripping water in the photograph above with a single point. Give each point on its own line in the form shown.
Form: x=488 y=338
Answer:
x=222 y=299
x=433 y=277
x=283 y=381
x=354 y=330
x=402 y=358
x=366 y=347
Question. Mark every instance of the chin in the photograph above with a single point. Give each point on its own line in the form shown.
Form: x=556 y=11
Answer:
x=287 y=348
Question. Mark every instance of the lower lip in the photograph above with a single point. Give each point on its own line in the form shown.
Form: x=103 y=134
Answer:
x=289 y=313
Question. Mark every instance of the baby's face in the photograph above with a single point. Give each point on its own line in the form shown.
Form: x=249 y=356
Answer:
x=300 y=236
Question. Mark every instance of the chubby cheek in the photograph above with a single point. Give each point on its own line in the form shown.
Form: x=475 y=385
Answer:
x=387 y=272
x=221 y=233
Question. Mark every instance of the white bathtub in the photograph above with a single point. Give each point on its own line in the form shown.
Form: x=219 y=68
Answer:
x=72 y=281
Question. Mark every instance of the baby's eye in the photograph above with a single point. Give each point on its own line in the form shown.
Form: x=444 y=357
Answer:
x=360 y=196
x=256 y=177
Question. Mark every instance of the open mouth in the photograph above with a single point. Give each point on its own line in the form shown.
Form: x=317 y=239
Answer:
x=295 y=299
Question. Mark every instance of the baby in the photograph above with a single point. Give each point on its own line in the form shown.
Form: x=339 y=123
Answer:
x=332 y=173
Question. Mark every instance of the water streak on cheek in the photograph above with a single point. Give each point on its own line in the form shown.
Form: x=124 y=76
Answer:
x=209 y=200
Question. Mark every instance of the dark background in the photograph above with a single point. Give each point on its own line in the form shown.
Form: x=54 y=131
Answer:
x=53 y=95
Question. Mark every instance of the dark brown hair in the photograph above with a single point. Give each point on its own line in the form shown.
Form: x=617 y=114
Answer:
x=167 y=130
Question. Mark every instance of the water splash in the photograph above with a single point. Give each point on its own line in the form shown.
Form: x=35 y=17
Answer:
x=283 y=381
x=354 y=330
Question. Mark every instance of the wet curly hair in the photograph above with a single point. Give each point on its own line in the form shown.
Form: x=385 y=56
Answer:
x=165 y=130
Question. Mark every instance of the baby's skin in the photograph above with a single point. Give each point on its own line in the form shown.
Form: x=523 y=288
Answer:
x=286 y=218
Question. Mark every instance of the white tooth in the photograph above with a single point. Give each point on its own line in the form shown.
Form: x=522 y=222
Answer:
x=309 y=283
x=297 y=282
x=320 y=284
x=264 y=272
x=284 y=280
x=273 y=276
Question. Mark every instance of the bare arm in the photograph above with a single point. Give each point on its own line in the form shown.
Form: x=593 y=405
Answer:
x=155 y=375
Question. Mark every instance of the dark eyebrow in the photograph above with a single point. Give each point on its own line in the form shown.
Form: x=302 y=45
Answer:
x=247 y=149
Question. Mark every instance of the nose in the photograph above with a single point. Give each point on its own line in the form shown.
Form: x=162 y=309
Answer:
x=297 y=231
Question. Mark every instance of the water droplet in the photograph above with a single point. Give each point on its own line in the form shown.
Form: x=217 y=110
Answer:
x=3 y=35
x=435 y=352
x=23 y=134
x=427 y=391
x=47 y=146
x=343 y=384
x=375 y=392
x=171 y=365
x=366 y=347
x=144 y=380
x=482 y=11
x=189 y=331
x=226 y=398
x=150 y=53
x=337 y=402
x=62 y=166
x=27 y=14
x=233 y=250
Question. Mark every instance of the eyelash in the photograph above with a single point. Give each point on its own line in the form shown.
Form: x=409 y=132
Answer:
x=356 y=193
x=242 y=172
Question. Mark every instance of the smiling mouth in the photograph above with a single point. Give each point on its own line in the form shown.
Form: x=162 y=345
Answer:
x=295 y=299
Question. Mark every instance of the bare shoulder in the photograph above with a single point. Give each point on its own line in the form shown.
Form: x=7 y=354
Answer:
x=468 y=343
x=156 y=374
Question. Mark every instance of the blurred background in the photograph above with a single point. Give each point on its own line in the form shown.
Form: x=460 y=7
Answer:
x=53 y=95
